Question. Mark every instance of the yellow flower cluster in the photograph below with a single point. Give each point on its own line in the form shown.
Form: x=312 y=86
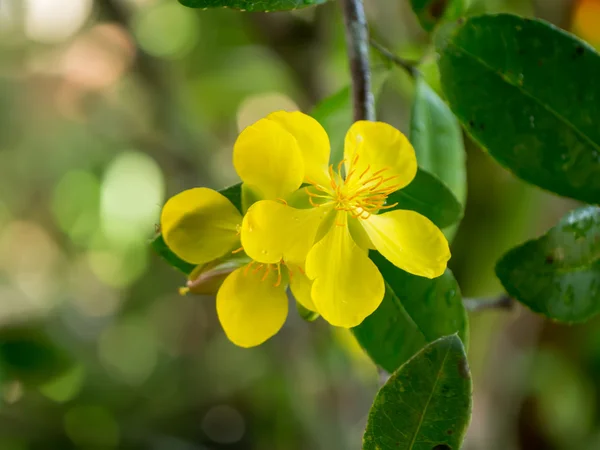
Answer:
x=309 y=227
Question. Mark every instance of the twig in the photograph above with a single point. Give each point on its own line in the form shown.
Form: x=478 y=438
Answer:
x=409 y=66
x=504 y=302
x=357 y=42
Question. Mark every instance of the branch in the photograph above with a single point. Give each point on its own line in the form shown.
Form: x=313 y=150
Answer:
x=504 y=302
x=357 y=42
x=409 y=66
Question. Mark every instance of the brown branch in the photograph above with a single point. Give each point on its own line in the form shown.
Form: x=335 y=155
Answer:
x=357 y=42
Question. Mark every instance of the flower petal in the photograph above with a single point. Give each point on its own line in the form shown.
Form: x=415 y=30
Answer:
x=266 y=157
x=312 y=140
x=250 y=309
x=301 y=286
x=410 y=241
x=272 y=231
x=347 y=285
x=200 y=225
x=380 y=146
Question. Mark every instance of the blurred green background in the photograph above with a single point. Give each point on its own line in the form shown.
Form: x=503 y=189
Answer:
x=107 y=108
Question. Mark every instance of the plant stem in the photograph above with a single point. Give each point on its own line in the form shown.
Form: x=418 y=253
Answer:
x=409 y=66
x=357 y=42
x=504 y=302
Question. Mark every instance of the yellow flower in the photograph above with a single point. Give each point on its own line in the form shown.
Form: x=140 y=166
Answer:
x=346 y=220
x=201 y=226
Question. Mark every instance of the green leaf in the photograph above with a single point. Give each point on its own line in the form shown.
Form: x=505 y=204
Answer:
x=427 y=195
x=27 y=354
x=528 y=93
x=426 y=404
x=159 y=245
x=558 y=275
x=233 y=193
x=432 y=12
x=414 y=311
x=437 y=138
x=252 y=5
x=389 y=336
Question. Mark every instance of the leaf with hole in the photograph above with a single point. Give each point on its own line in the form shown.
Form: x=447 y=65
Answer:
x=528 y=93
x=426 y=403
x=558 y=275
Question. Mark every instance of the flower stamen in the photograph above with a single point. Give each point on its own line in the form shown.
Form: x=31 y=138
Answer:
x=264 y=277
x=278 y=283
x=360 y=196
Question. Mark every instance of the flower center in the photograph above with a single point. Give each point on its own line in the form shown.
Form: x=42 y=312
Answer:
x=360 y=194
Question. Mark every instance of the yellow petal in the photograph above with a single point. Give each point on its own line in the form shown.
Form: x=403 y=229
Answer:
x=301 y=287
x=347 y=285
x=200 y=225
x=312 y=140
x=272 y=231
x=377 y=146
x=251 y=309
x=359 y=235
x=410 y=241
x=268 y=159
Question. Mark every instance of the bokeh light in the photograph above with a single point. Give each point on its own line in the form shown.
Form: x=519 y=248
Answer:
x=92 y=426
x=129 y=351
x=132 y=193
x=76 y=205
x=99 y=57
x=31 y=259
x=586 y=20
x=255 y=107
x=66 y=386
x=166 y=30
x=51 y=21
x=223 y=425
x=118 y=266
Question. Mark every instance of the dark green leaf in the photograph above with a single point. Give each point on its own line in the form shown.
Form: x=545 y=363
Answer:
x=558 y=274
x=426 y=404
x=27 y=354
x=233 y=193
x=389 y=335
x=160 y=247
x=437 y=138
x=528 y=92
x=427 y=195
x=252 y=5
x=431 y=12
x=415 y=311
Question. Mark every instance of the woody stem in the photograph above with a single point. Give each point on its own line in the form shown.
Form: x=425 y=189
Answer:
x=357 y=43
